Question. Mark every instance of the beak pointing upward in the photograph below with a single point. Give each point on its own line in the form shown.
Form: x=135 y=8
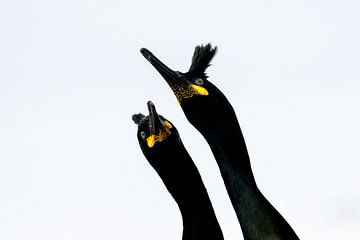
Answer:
x=169 y=75
x=154 y=122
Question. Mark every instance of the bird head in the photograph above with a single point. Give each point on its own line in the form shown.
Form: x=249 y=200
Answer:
x=155 y=133
x=202 y=102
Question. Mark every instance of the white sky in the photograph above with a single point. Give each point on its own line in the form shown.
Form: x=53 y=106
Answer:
x=71 y=76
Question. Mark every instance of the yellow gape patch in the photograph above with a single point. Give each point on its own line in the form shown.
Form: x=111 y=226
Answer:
x=163 y=134
x=188 y=91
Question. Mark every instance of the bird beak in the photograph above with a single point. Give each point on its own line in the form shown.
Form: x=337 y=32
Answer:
x=181 y=87
x=155 y=123
x=171 y=77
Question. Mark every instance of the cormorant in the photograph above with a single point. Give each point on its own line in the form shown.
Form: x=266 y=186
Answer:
x=161 y=144
x=208 y=110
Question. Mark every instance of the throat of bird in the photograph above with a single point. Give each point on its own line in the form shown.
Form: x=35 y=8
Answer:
x=189 y=91
x=161 y=136
x=232 y=156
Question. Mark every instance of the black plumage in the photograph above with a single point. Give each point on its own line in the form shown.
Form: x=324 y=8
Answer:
x=201 y=60
x=208 y=110
x=168 y=156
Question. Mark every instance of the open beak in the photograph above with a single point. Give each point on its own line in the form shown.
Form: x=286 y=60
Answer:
x=171 y=77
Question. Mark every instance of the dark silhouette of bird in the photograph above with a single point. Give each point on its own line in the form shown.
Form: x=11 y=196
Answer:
x=161 y=144
x=208 y=110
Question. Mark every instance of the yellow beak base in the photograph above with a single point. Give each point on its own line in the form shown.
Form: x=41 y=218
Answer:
x=151 y=141
x=200 y=90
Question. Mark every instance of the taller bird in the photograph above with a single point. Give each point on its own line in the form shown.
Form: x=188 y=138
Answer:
x=208 y=110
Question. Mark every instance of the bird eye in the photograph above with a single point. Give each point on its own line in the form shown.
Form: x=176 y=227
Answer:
x=143 y=134
x=199 y=81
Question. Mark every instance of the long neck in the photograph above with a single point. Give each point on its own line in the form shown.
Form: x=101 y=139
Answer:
x=185 y=185
x=259 y=220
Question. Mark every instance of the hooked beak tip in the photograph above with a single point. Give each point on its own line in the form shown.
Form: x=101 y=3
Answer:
x=151 y=106
x=146 y=53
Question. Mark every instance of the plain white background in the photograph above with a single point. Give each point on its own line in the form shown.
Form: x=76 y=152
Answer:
x=71 y=76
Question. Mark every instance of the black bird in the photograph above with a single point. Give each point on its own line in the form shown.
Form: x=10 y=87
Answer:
x=208 y=110
x=161 y=144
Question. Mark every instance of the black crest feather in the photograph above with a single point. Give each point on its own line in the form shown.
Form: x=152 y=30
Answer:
x=201 y=59
x=137 y=118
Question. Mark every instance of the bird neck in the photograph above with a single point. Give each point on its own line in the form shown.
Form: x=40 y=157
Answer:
x=258 y=218
x=200 y=223
x=185 y=185
x=199 y=220
x=228 y=146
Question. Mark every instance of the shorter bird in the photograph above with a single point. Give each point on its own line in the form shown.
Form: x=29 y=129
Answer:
x=161 y=144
